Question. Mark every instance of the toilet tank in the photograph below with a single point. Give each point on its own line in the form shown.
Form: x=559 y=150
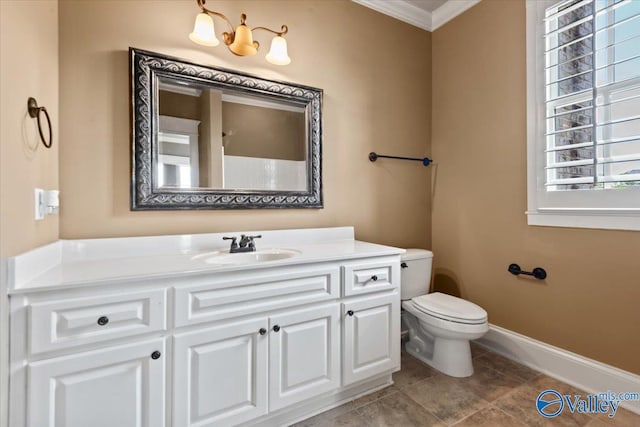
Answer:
x=416 y=276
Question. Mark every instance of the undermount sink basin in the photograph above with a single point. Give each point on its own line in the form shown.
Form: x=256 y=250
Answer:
x=226 y=258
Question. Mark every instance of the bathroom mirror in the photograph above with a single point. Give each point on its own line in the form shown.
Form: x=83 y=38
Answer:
x=208 y=138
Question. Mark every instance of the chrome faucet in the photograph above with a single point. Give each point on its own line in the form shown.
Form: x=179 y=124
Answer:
x=246 y=243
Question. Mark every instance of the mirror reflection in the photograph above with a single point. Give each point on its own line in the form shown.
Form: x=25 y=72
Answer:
x=222 y=138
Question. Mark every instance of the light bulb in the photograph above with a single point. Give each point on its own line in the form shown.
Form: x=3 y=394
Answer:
x=278 y=53
x=204 y=31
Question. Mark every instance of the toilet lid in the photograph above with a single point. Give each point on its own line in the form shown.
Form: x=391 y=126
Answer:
x=450 y=308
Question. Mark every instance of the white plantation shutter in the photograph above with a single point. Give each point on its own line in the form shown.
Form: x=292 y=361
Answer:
x=592 y=79
x=586 y=91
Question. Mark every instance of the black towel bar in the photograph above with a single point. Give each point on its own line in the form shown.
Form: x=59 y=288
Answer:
x=373 y=156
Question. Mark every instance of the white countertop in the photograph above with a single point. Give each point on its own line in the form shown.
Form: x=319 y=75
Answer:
x=78 y=263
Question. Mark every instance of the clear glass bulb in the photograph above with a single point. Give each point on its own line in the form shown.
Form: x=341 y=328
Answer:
x=278 y=53
x=204 y=31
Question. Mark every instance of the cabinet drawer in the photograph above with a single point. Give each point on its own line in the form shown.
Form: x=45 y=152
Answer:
x=224 y=298
x=74 y=322
x=371 y=276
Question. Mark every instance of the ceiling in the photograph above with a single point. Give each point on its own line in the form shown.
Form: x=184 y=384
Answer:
x=426 y=14
x=428 y=5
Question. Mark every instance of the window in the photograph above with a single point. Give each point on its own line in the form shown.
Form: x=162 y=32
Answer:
x=583 y=95
x=177 y=152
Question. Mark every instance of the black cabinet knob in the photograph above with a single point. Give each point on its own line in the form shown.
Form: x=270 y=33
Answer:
x=374 y=278
x=103 y=320
x=262 y=331
x=156 y=355
x=350 y=313
x=276 y=328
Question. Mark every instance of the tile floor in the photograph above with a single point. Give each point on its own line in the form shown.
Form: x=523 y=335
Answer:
x=500 y=393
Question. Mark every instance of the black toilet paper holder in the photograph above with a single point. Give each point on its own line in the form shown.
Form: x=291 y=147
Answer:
x=538 y=272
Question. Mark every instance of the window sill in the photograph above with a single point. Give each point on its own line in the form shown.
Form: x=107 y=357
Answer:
x=607 y=220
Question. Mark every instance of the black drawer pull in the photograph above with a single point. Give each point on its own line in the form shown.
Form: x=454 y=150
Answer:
x=276 y=328
x=350 y=313
x=103 y=320
x=262 y=331
x=374 y=278
x=156 y=355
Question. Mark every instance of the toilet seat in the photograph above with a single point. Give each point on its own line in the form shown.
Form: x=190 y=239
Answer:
x=450 y=308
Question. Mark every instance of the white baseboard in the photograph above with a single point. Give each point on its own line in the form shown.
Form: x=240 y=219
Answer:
x=571 y=368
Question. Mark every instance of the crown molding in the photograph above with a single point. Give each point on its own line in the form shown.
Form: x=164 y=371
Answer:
x=450 y=10
x=401 y=10
x=420 y=18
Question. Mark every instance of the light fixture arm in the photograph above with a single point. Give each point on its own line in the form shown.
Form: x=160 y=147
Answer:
x=213 y=12
x=283 y=30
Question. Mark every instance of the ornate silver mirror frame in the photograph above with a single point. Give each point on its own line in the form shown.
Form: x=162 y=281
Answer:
x=146 y=67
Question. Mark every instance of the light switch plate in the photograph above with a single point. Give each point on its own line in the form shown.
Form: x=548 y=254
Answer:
x=39 y=204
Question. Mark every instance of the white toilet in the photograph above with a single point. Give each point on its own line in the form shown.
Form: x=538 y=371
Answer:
x=440 y=326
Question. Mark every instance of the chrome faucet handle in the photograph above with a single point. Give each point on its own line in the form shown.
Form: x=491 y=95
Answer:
x=247 y=240
x=233 y=241
x=252 y=244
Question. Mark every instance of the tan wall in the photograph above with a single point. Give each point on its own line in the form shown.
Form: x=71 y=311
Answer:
x=589 y=303
x=375 y=72
x=179 y=105
x=29 y=58
x=263 y=132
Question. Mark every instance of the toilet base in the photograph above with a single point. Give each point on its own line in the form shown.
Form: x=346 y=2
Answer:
x=447 y=350
x=451 y=357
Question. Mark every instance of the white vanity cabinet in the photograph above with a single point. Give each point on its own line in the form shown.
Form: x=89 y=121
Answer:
x=371 y=327
x=263 y=346
x=370 y=336
x=233 y=371
x=220 y=374
x=237 y=371
x=88 y=359
x=304 y=354
x=123 y=385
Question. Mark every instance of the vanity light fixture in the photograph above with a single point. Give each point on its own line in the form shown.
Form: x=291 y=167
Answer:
x=239 y=41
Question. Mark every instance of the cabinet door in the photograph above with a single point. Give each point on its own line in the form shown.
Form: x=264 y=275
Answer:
x=220 y=374
x=120 y=386
x=304 y=354
x=371 y=337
